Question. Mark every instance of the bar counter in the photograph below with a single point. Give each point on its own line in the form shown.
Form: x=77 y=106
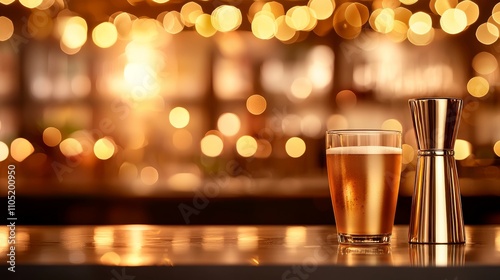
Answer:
x=240 y=252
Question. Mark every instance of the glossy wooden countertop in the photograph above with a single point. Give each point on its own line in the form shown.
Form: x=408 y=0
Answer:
x=295 y=249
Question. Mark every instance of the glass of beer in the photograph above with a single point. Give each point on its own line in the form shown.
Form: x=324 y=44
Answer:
x=364 y=170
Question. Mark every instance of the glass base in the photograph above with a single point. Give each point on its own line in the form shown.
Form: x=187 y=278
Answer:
x=344 y=238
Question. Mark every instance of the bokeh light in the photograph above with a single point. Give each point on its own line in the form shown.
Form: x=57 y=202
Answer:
x=179 y=117
x=128 y=172
x=4 y=151
x=229 y=124
x=51 y=136
x=190 y=12
x=104 y=148
x=392 y=124
x=311 y=126
x=20 y=149
x=172 y=22
x=105 y=35
x=149 y=175
x=75 y=33
x=420 y=23
x=226 y=18
x=478 y=86
x=453 y=21
x=346 y=99
x=70 y=147
x=463 y=149
x=496 y=148
x=246 y=146
x=264 y=149
x=256 y=104
x=408 y=153
x=301 y=88
x=484 y=63
x=322 y=9
x=263 y=25
x=337 y=122
x=204 y=27
x=7 y=2
x=441 y=6
x=487 y=33
x=30 y=4
x=6 y=28
x=470 y=9
x=211 y=145
x=295 y=147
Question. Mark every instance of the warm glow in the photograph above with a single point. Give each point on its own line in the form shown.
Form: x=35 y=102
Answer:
x=128 y=172
x=6 y=28
x=229 y=124
x=184 y=181
x=408 y=2
x=496 y=148
x=298 y=17
x=346 y=99
x=392 y=124
x=322 y=9
x=172 y=22
x=256 y=104
x=75 y=33
x=30 y=4
x=226 y=18
x=487 y=33
x=123 y=24
x=110 y=258
x=264 y=149
x=211 y=145
x=263 y=25
x=51 y=136
x=470 y=9
x=295 y=147
x=7 y=2
x=179 y=117
x=283 y=31
x=384 y=22
x=408 y=153
x=104 y=148
x=421 y=40
x=4 y=151
x=20 y=149
x=301 y=88
x=357 y=14
x=105 y=35
x=478 y=86
x=246 y=146
x=441 y=6
x=70 y=147
x=420 y=23
x=453 y=21
x=203 y=25
x=190 y=12
x=182 y=139
x=484 y=63
x=149 y=175
x=275 y=8
x=337 y=122
x=311 y=126
x=463 y=149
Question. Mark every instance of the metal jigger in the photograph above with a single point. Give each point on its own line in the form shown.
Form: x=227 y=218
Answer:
x=436 y=214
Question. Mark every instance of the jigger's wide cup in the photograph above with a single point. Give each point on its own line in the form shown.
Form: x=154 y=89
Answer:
x=364 y=170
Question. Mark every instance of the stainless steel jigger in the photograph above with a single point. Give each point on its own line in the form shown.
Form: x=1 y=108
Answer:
x=436 y=214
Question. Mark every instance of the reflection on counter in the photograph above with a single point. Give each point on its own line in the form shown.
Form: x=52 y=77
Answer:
x=139 y=245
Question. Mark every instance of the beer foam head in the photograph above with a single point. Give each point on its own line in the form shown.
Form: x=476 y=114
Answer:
x=364 y=150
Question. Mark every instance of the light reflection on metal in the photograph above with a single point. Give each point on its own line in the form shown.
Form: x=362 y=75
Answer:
x=436 y=215
x=437 y=255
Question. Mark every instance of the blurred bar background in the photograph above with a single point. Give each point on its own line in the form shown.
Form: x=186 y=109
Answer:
x=214 y=112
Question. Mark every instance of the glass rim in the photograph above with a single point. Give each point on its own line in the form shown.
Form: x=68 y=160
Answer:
x=363 y=132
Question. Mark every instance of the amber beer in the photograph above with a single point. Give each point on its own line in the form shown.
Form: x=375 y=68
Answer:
x=364 y=185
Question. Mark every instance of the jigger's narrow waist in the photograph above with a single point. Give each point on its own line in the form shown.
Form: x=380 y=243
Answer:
x=436 y=152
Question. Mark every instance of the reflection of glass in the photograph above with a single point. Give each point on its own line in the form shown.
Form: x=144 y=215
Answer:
x=364 y=255
x=437 y=254
x=364 y=168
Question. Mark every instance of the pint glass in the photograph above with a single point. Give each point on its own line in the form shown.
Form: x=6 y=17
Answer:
x=364 y=170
